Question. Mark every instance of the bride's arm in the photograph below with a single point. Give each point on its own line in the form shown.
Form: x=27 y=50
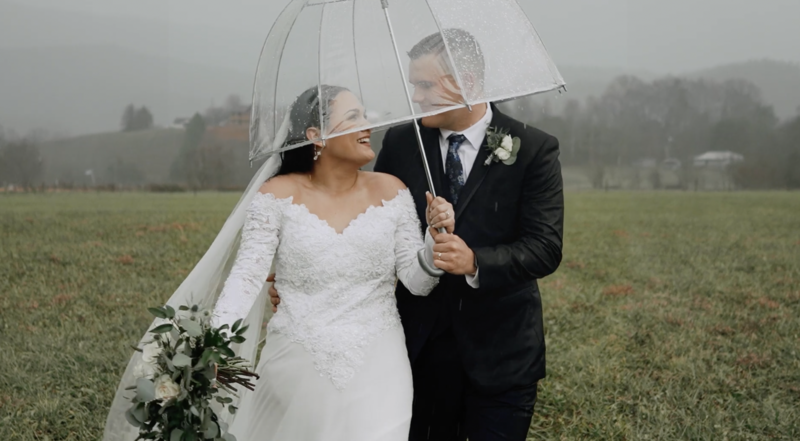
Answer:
x=260 y=237
x=408 y=241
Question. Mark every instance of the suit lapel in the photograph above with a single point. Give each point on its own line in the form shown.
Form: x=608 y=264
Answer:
x=478 y=171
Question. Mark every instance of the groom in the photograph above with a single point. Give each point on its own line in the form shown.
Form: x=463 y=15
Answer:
x=476 y=343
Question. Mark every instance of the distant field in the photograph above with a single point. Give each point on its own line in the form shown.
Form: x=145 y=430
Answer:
x=673 y=315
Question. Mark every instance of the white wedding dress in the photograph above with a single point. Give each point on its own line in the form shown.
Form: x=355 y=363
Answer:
x=334 y=366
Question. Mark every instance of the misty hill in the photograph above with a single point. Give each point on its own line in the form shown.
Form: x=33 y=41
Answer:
x=85 y=89
x=779 y=81
x=149 y=151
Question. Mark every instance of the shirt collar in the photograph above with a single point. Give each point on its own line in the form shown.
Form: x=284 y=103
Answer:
x=475 y=133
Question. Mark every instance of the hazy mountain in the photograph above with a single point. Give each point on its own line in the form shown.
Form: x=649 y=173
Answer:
x=779 y=81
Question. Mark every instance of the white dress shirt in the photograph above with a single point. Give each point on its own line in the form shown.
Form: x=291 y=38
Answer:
x=468 y=151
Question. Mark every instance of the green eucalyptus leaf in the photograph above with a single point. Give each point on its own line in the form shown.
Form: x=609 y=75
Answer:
x=211 y=432
x=183 y=308
x=162 y=328
x=176 y=435
x=131 y=419
x=192 y=327
x=195 y=308
x=226 y=351
x=242 y=330
x=194 y=411
x=169 y=311
x=515 y=149
x=145 y=390
x=236 y=325
x=181 y=360
x=511 y=160
x=158 y=312
x=216 y=358
x=204 y=359
x=237 y=339
x=232 y=409
x=140 y=413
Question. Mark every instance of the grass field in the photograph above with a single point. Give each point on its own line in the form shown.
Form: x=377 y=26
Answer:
x=673 y=315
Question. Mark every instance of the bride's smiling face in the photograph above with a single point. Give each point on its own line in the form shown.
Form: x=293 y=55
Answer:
x=346 y=113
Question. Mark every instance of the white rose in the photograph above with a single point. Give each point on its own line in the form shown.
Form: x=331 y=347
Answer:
x=502 y=154
x=507 y=144
x=166 y=388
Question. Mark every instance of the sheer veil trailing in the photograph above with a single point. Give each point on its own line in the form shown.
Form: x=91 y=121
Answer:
x=202 y=287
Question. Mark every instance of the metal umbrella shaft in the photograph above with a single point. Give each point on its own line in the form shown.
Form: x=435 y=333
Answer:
x=431 y=270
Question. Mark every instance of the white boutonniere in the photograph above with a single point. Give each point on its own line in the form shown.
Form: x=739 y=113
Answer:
x=502 y=147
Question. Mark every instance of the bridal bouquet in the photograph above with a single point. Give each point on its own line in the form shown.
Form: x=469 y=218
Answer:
x=183 y=368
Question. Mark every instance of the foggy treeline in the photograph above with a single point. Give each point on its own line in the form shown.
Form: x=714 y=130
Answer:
x=650 y=130
x=636 y=122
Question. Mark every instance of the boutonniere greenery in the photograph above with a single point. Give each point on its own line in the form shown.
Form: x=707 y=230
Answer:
x=502 y=147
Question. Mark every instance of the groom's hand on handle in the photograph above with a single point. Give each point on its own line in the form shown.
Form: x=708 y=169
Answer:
x=453 y=255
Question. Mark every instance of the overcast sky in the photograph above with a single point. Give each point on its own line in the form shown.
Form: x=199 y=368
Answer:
x=656 y=35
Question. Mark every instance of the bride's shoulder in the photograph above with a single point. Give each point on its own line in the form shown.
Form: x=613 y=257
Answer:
x=386 y=185
x=281 y=187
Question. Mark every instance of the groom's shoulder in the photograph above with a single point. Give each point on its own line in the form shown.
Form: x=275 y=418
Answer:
x=530 y=136
x=526 y=130
x=399 y=135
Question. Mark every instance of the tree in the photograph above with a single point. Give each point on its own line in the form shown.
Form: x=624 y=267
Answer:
x=134 y=119
x=143 y=119
x=182 y=169
x=128 y=116
x=20 y=163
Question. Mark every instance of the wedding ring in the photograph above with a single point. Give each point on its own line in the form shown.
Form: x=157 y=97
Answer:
x=447 y=215
x=439 y=256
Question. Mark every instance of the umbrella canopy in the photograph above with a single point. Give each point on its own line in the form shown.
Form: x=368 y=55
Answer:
x=384 y=52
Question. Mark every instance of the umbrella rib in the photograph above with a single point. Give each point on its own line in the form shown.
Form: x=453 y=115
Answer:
x=319 y=75
x=278 y=70
x=253 y=117
x=355 y=55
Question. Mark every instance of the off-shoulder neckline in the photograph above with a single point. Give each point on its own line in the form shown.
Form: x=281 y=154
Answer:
x=289 y=201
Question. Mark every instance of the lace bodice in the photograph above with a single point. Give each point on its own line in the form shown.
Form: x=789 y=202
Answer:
x=337 y=289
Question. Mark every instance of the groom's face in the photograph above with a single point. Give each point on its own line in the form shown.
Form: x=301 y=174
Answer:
x=434 y=88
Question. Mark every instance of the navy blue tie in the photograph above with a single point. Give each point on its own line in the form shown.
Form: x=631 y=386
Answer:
x=453 y=166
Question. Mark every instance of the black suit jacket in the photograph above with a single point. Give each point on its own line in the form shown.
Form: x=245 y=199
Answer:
x=511 y=216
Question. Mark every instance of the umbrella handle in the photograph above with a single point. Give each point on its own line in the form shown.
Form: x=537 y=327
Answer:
x=423 y=262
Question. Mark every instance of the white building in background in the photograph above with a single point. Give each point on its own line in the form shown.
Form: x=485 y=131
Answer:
x=717 y=159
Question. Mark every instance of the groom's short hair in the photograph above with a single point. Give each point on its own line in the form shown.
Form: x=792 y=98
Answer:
x=463 y=46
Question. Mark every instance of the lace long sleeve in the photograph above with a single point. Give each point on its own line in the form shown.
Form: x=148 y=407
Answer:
x=259 y=242
x=408 y=242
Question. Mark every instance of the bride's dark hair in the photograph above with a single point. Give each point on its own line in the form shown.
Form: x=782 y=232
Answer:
x=305 y=114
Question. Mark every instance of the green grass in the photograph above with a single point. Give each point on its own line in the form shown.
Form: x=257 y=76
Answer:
x=673 y=315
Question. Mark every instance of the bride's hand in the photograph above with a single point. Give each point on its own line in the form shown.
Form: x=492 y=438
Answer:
x=440 y=214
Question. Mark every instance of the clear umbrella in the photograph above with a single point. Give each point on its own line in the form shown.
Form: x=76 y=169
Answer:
x=404 y=59
x=491 y=52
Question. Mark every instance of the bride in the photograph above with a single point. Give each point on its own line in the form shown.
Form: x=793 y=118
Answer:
x=334 y=366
